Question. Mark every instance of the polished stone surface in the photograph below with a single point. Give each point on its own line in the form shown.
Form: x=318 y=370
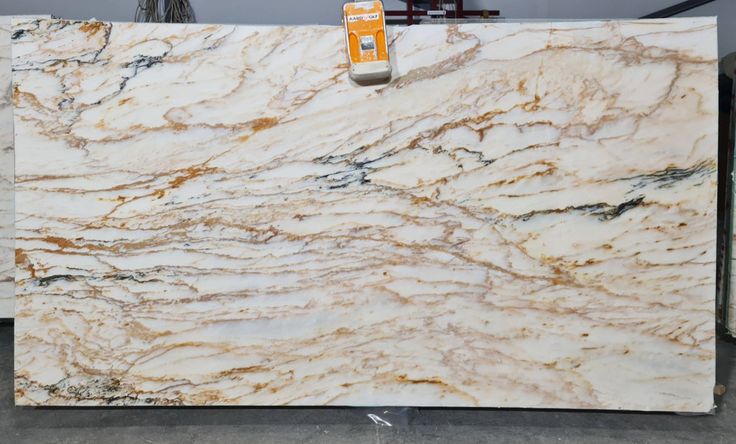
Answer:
x=7 y=258
x=210 y=215
x=361 y=425
x=7 y=264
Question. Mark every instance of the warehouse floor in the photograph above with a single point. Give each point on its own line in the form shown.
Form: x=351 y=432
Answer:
x=320 y=425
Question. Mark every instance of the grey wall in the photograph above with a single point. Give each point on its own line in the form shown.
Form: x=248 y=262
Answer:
x=74 y=9
x=327 y=12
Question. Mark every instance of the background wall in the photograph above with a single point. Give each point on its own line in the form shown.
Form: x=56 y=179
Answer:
x=327 y=12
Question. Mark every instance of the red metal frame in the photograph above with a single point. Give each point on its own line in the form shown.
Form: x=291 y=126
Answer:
x=410 y=13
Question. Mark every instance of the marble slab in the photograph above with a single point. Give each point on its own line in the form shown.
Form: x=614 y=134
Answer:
x=7 y=258
x=7 y=262
x=215 y=215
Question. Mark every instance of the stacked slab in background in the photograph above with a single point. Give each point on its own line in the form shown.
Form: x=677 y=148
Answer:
x=7 y=263
x=7 y=257
x=524 y=217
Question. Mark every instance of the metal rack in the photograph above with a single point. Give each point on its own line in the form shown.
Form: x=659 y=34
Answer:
x=437 y=9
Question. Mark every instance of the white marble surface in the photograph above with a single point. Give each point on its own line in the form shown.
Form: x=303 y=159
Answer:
x=524 y=217
x=7 y=258
x=7 y=262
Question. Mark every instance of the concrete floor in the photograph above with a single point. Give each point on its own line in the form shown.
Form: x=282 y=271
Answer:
x=353 y=425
